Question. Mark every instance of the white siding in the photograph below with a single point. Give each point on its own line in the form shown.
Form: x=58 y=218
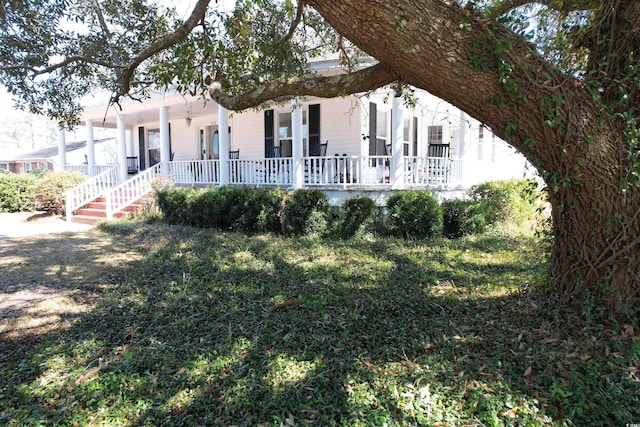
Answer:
x=247 y=134
x=340 y=126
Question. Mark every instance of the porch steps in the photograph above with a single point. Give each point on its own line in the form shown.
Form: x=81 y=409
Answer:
x=95 y=211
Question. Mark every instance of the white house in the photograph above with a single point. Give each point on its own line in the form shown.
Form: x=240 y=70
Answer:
x=369 y=144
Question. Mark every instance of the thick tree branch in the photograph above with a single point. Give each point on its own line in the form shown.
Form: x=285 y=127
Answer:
x=325 y=87
x=164 y=43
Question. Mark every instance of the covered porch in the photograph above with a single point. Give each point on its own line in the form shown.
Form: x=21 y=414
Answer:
x=323 y=172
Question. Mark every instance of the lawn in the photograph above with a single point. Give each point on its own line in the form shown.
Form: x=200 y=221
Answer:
x=194 y=327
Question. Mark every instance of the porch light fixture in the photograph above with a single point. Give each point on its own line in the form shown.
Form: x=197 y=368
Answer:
x=188 y=118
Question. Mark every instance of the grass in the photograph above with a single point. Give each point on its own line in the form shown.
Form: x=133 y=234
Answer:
x=210 y=328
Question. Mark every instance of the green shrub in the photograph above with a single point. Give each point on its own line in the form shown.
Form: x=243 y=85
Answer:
x=414 y=214
x=202 y=208
x=226 y=206
x=354 y=216
x=263 y=210
x=172 y=202
x=38 y=173
x=509 y=200
x=16 y=192
x=462 y=217
x=306 y=213
x=49 y=190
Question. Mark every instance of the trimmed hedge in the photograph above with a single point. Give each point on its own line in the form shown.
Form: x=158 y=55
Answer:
x=462 y=217
x=16 y=192
x=306 y=213
x=354 y=217
x=410 y=214
x=414 y=215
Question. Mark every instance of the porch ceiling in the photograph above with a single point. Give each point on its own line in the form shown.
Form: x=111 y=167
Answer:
x=147 y=111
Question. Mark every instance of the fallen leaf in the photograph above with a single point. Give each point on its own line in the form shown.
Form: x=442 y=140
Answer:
x=511 y=413
x=528 y=372
x=290 y=420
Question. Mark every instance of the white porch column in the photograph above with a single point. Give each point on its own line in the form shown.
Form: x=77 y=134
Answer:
x=397 y=146
x=122 y=150
x=128 y=136
x=91 y=151
x=62 y=149
x=223 y=134
x=296 y=150
x=463 y=145
x=165 y=148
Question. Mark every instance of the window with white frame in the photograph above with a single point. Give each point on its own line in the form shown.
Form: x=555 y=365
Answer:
x=434 y=134
x=285 y=134
x=26 y=167
x=4 y=166
x=406 y=137
x=381 y=131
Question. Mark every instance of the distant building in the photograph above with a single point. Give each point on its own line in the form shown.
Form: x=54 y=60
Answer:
x=22 y=161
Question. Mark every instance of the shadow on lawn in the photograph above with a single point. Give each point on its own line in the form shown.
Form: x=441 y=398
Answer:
x=219 y=329
x=48 y=282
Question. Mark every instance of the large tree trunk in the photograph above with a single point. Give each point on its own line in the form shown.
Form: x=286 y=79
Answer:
x=572 y=140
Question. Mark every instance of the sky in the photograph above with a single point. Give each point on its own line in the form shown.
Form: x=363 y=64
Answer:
x=7 y=112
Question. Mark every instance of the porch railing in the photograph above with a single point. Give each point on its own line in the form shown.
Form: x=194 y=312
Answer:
x=329 y=171
x=89 y=190
x=125 y=194
x=432 y=170
x=272 y=171
x=195 y=172
x=84 y=169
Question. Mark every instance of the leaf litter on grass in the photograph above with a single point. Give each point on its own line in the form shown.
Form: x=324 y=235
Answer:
x=214 y=328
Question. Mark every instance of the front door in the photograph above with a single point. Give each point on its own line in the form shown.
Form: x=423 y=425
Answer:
x=209 y=143
x=153 y=146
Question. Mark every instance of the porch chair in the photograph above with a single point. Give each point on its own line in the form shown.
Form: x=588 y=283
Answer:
x=272 y=168
x=132 y=165
x=234 y=155
x=319 y=150
x=316 y=167
x=274 y=152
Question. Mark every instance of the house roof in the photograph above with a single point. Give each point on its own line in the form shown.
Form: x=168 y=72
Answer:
x=45 y=152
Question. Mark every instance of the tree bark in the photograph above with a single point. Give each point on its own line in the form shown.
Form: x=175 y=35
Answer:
x=570 y=137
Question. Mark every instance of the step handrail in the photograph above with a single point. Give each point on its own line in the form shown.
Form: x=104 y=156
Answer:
x=90 y=190
x=128 y=192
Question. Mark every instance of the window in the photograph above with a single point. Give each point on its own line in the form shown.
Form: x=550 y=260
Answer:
x=26 y=167
x=42 y=165
x=406 y=135
x=480 y=143
x=285 y=134
x=153 y=145
x=381 y=125
x=4 y=166
x=434 y=135
x=378 y=125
